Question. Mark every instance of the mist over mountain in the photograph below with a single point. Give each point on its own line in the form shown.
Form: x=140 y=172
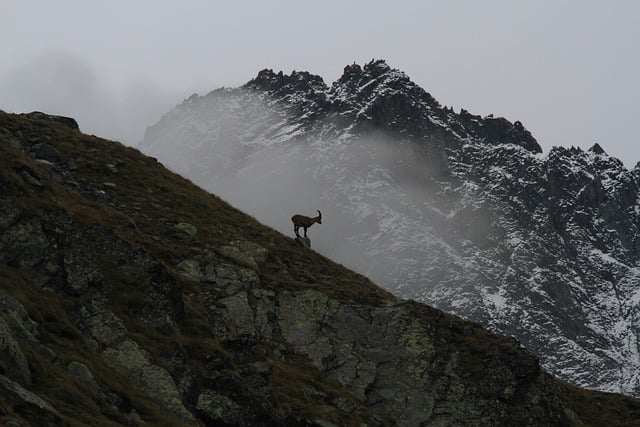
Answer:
x=67 y=84
x=456 y=210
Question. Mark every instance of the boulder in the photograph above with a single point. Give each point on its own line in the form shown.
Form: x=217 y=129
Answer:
x=68 y=122
x=30 y=179
x=245 y=253
x=107 y=333
x=210 y=274
x=12 y=360
x=18 y=319
x=132 y=361
x=218 y=409
x=190 y=269
x=234 y=278
x=234 y=319
x=83 y=375
x=47 y=152
x=17 y=396
x=187 y=228
x=100 y=327
x=81 y=269
x=22 y=327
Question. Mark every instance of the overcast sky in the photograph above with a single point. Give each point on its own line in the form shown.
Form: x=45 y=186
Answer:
x=569 y=70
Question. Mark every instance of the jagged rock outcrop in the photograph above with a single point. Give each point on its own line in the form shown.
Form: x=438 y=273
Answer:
x=456 y=210
x=15 y=395
x=12 y=358
x=68 y=122
x=120 y=318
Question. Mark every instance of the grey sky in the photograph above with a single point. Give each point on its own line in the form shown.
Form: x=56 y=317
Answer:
x=567 y=69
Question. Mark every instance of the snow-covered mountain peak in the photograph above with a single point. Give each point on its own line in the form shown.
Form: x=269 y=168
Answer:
x=457 y=210
x=279 y=83
x=376 y=74
x=597 y=149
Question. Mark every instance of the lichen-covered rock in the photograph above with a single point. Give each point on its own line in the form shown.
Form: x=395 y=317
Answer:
x=22 y=327
x=218 y=409
x=26 y=246
x=300 y=319
x=233 y=318
x=252 y=250
x=12 y=359
x=18 y=319
x=246 y=253
x=81 y=269
x=234 y=278
x=16 y=396
x=159 y=311
x=101 y=327
x=83 y=375
x=187 y=228
x=388 y=357
x=210 y=275
x=132 y=361
x=264 y=312
x=105 y=332
x=190 y=269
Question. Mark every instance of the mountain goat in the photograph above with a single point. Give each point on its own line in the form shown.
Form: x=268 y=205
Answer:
x=304 y=222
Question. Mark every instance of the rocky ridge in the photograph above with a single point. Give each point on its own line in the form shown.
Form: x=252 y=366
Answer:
x=128 y=296
x=456 y=210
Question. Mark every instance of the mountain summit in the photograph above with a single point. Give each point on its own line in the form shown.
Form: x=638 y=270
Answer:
x=449 y=208
x=378 y=97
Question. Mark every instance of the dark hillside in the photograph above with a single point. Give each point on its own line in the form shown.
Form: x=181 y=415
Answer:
x=129 y=296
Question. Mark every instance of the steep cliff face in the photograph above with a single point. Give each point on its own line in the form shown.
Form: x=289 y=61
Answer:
x=459 y=211
x=129 y=296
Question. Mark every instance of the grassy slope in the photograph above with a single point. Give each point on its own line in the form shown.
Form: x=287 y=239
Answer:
x=151 y=201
